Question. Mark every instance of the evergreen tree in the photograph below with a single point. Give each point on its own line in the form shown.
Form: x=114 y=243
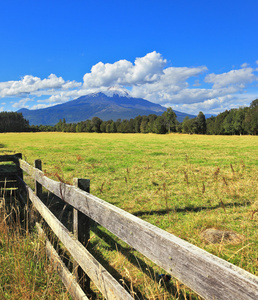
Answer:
x=124 y=126
x=252 y=117
x=95 y=124
x=103 y=126
x=113 y=128
x=159 y=125
x=201 y=123
x=13 y=122
x=152 y=119
x=239 y=119
x=186 y=125
x=144 y=124
x=137 y=124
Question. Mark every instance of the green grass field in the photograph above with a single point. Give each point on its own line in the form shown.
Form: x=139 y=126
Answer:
x=180 y=183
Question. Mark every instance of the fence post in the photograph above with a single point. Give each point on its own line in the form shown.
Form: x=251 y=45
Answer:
x=19 y=170
x=38 y=186
x=81 y=230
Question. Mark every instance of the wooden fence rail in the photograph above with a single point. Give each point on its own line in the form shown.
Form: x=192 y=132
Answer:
x=206 y=274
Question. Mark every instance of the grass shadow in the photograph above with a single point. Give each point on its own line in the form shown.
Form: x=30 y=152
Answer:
x=128 y=252
x=63 y=212
x=189 y=209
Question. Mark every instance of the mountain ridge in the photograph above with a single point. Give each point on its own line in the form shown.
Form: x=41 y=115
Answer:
x=111 y=106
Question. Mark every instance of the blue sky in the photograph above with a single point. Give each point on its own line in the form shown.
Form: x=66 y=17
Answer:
x=190 y=55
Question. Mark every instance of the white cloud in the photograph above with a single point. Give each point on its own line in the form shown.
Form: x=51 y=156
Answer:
x=30 y=85
x=71 y=85
x=2 y=108
x=216 y=105
x=22 y=103
x=39 y=106
x=148 y=77
x=197 y=83
x=145 y=69
x=244 y=65
x=59 y=97
x=171 y=83
x=56 y=99
x=238 y=78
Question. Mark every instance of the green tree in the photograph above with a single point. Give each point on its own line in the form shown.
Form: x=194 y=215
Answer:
x=186 y=125
x=251 y=118
x=124 y=126
x=95 y=123
x=144 y=124
x=239 y=119
x=13 y=122
x=103 y=126
x=159 y=125
x=152 y=119
x=201 y=123
x=210 y=125
x=169 y=118
x=254 y=104
x=228 y=122
x=113 y=128
x=137 y=124
x=118 y=123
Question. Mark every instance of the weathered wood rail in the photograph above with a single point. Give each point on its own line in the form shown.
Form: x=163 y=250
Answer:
x=207 y=275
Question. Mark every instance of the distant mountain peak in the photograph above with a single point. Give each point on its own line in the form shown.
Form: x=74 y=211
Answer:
x=107 y=104
x=116 y=90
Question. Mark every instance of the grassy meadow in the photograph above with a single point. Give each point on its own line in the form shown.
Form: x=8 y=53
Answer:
x=25 y=270
x=180 y=183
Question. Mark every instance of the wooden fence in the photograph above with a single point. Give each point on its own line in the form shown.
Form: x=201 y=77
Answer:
x=207 y=275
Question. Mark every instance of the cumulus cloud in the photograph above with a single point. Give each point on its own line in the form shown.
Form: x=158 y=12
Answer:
x=148 y=77
x=238 y=78
x=216 y=105
x=30 y=84
x=145 y=69
x=170 y=84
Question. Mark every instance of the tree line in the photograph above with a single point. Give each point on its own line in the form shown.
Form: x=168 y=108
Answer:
x=13 y=122
x=152 y=123
x=243 y=120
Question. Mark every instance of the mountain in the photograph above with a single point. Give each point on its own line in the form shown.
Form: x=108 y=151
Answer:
x=112 y=104
x=209 y=115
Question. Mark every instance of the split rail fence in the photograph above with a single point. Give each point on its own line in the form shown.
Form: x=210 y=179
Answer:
x=207 y=275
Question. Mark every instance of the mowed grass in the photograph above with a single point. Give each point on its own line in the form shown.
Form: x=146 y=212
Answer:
x=180 y=183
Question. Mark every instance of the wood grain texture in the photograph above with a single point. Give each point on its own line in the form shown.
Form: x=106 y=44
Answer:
x=206 y=274
x=67 y=278
x=106 y=284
